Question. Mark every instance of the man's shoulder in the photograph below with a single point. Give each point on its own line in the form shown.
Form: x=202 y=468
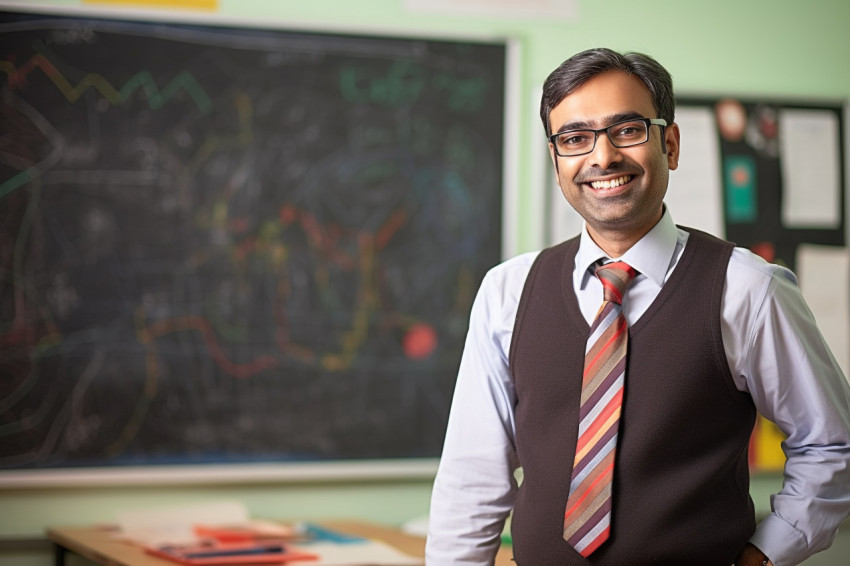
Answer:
x=745 y=267
x=519 y=266
x=513 y=269
x=697 y=234
x=746 y=264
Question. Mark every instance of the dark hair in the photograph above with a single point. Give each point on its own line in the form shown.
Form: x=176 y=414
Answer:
x=582 y=67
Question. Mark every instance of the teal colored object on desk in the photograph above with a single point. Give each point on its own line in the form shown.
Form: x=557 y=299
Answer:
x=320 y=534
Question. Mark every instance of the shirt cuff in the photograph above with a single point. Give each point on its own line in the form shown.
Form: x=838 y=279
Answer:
x=781 y=542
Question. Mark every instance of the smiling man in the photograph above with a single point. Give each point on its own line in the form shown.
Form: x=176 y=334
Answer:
x=621 y=370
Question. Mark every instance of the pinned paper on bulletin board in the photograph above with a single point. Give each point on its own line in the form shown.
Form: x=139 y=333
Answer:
x=740 y=181
x=829 y=308
x=811 y=168
x=766 y=454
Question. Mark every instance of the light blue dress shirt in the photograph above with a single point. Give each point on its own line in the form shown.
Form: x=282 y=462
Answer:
x=775 y=353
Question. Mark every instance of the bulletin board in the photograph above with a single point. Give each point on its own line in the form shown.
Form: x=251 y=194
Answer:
x=778 y=168
x=237 y=246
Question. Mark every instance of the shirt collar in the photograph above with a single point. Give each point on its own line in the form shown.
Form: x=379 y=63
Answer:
x=650 y=256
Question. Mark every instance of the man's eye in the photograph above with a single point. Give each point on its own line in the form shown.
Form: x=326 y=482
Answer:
x=631 y=131
x=574 y=139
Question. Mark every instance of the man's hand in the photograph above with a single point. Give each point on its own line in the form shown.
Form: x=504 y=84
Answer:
x=752 y=556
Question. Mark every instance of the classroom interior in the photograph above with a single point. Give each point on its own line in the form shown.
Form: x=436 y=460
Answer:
x=759 y=49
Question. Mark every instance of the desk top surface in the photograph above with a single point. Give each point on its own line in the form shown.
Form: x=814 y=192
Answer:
x=100 y=545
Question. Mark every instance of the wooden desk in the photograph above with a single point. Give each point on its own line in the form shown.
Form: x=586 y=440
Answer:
x=100 y=546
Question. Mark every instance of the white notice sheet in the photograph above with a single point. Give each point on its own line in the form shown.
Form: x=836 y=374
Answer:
x=810 y=157
x=695 y=194
x=831 y=308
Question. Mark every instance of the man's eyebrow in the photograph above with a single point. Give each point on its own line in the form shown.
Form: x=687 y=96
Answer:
x=606 y=120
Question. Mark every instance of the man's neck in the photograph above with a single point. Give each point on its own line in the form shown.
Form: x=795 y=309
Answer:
x=616 y=242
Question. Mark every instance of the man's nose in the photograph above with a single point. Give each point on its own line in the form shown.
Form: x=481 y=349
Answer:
x=604 y=153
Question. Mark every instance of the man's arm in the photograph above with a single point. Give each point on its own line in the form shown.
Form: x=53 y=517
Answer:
x=475 y=486
x=781 y=359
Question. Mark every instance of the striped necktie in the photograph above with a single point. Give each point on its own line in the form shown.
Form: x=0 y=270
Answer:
x=587 y=519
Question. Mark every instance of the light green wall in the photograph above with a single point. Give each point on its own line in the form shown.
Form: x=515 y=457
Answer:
x=782 y=48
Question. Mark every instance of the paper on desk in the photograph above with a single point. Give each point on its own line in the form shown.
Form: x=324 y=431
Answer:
x=176 y=525
x=361 y=553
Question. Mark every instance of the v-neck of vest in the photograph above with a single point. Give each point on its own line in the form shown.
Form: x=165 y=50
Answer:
x=571 y=301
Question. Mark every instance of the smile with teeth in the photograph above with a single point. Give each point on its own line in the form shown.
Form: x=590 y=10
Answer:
x=612 y=183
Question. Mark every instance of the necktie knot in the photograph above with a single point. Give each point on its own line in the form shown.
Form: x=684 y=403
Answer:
x=615 y=278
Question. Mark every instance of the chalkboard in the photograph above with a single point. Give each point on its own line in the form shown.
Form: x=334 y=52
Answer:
x=224 y=245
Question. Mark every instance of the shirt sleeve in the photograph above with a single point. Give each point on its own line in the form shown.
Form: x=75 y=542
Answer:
x=475 y=485
x=779 y=356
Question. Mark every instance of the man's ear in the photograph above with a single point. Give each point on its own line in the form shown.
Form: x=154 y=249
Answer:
x=671 y=142
x=553 y=157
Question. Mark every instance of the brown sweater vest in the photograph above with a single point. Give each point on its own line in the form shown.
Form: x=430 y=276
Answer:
x=681 y=483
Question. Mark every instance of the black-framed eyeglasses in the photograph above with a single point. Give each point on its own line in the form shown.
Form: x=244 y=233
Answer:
x=622 y=134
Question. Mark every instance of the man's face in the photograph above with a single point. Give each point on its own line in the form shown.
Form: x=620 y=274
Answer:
x=618 y=191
